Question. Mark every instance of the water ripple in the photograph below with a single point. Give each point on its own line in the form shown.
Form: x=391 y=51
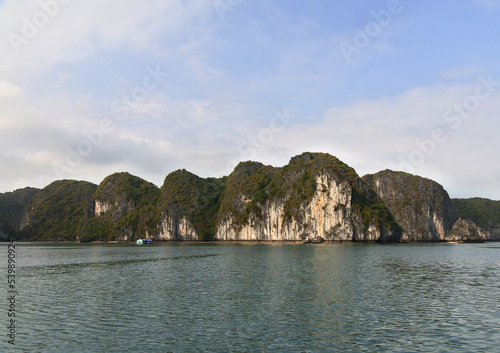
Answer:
x=261 y=298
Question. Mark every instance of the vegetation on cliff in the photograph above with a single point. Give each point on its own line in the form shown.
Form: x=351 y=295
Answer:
x=196 y=198
x=484 y=213
x=404 y=189
x=419 y=205
x=129 y=209
x=246 y=192
x=59 y=211
x=12 y=206
x=373 y=209
x=252 y=184
x=126 y=207
x=299 y=179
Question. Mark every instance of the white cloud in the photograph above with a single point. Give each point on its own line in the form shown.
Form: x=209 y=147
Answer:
x=76 y=30
x=371 y=136
x=9 y=93
x=223 y=74
x=165 y=134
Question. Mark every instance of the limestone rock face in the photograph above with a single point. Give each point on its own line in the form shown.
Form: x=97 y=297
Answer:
x=188 y=206
x=117 y=208
x=114 y=196
x=124 y=208
x=420 y=206
x=464 y=230
x=174 y=227
x=315 y=195
x=485 y=213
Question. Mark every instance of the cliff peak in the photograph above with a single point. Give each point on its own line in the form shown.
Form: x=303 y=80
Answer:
x=315 y=194
x=420 y=206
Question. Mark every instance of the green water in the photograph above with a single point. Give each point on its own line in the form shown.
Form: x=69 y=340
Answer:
x=254 y=298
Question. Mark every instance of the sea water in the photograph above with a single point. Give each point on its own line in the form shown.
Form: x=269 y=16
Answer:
x=175 y=297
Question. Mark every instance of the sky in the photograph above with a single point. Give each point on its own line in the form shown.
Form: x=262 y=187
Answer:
x=90 y=88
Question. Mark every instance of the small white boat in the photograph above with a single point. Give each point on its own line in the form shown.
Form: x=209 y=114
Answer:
x=144 y=241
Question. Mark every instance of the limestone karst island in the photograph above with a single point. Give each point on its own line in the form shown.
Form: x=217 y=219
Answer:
x=315 y=196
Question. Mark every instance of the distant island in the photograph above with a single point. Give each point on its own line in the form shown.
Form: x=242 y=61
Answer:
x=315 y=196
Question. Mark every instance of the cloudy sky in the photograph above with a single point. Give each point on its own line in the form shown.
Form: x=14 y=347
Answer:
x=89 y=88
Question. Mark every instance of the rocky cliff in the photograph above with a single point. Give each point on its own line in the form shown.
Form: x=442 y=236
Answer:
x=58 y=212
x=12 y=207
x=188 y=207
x=465 y=230
x=483 y=212
x=420 y=206
x=314 y=195
x=124 y=209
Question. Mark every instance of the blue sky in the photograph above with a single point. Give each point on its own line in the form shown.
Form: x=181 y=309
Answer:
x=95 y=87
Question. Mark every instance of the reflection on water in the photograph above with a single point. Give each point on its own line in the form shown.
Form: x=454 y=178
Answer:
x=259 y=297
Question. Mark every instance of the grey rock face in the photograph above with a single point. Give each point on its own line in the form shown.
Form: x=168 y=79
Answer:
x=420 y=206
x=317 y=195
x=464 y=230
